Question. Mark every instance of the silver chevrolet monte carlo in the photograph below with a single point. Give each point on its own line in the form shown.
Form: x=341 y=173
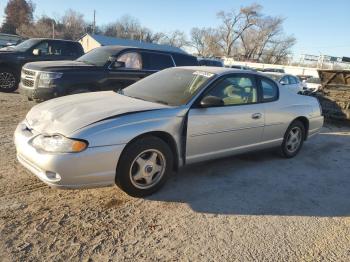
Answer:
x=138 y=136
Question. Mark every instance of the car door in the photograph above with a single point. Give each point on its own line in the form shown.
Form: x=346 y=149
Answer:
x=43 y=48
x=235 y=126
x=275 y=123
x=121 y=77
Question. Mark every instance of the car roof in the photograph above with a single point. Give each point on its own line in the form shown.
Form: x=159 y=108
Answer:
x=118 y=48
x=220 y=70
x=277 y=74
x=50 y=39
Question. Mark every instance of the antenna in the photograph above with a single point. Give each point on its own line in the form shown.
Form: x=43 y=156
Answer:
x=94 y=24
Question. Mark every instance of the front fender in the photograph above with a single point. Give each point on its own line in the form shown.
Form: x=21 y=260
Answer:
x=122 y=129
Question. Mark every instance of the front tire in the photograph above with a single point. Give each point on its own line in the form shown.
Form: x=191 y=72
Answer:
x=8 y=80
x=293 y=139
x=144 y=166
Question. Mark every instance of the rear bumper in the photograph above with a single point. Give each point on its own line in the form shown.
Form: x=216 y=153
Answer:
x=93 y=167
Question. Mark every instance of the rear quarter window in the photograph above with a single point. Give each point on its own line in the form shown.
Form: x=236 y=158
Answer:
x=292 y=80
x=269 y=90
x=156 y=61
x=185 y=60
x=71 y=49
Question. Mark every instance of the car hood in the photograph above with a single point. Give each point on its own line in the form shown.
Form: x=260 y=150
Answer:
x=7 y=54
x=67 y=114
x=57 y=65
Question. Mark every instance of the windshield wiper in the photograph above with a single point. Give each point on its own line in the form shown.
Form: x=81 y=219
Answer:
x=86 y=62
x=161 y=102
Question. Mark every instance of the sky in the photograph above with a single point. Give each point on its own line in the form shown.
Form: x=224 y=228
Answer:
x=320 y=27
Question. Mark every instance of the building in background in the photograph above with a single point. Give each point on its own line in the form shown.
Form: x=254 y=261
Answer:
x=91 y=41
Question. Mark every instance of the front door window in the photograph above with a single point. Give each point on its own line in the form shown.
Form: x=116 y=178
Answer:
x=132 y=60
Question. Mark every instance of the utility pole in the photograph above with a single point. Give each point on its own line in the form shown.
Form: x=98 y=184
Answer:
x=94 y=24
x=53 y=30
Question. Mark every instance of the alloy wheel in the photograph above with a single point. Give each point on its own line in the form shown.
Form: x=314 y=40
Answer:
x=147 y=169
x=294 y=139
x=7 y=80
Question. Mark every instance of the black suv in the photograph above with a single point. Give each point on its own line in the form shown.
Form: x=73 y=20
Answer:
x=103 y=68
x=14 y=57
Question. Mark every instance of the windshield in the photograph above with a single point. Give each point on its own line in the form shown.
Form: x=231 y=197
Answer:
x=97 y=57
x=173 y=86
x=274 y=76
x=24 y=46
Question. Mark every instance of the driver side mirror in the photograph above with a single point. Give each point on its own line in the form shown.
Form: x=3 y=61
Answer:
x=115 y=63
x=118 y=64
x=36 y=52
x=282 y=82
x=211 y=101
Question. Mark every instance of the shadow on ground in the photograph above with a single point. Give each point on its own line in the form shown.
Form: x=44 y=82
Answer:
x=315 y=183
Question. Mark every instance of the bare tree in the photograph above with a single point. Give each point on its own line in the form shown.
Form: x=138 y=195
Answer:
x=42 y=28
x=175 y=38
x=199 y=39
x=256 y=38
x=279 y=50
x=126 y=27
x=234 y=24
x=74 y=25
x=148 y=36
x=205 y=41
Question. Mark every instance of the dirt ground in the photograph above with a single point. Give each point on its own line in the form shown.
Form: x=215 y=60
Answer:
x=247 y=208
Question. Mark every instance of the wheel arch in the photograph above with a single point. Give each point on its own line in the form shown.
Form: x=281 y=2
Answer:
x=166 y=137
x=9 y=65
x=305 y=122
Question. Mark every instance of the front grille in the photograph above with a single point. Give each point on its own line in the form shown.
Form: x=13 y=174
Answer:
x=28 y=72
x=28 y=82
x=28 y=78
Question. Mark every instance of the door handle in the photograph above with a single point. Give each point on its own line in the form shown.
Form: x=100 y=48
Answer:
x=256 y=115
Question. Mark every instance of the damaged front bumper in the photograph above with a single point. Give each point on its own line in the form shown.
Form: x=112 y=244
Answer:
x=93 y=167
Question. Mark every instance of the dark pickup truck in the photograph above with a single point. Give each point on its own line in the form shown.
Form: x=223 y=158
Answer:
x=103 y=68
x=36 y=49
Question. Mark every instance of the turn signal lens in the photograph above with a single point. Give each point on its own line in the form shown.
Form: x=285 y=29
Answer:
x=78 y=146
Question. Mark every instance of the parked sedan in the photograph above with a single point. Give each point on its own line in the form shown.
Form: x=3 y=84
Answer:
x=312 y=85
x=290 y=82
x=136 y=137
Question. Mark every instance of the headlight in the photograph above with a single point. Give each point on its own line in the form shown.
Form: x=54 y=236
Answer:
x=50 y=75
x=58 y=144
x=45 y=78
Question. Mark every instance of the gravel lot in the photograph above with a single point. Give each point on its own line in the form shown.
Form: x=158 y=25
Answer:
x=252 y=207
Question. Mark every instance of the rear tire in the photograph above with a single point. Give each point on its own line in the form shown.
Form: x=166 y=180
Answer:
x=144 y=166
x=293 y=139
x=8 y=80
